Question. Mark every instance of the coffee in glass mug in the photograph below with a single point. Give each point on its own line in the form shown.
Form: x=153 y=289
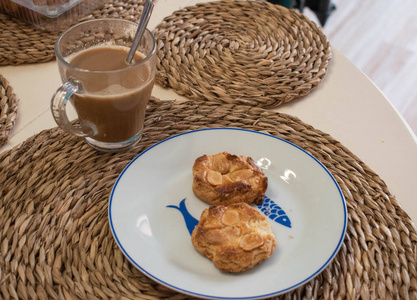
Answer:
x=109 y=95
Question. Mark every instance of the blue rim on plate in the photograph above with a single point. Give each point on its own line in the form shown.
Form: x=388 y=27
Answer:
x=129 y=253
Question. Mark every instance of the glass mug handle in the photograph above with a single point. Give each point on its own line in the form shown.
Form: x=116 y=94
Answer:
x=58 y=107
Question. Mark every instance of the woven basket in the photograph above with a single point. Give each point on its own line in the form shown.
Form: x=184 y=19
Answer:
x=56 y=243
x=8 y=110
x=244 y=52
x=23 y=43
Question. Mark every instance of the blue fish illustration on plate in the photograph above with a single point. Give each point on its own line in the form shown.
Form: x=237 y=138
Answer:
x=190 y=221
x=268 y=207
x=274 y=212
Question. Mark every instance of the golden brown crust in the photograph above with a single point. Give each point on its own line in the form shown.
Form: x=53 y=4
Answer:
x=223 y=178
x=235 y=237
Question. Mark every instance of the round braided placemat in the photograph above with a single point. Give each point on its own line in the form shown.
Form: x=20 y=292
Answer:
x=243 y=52
x=55 y=240
x=8 y=109
x=23 y=43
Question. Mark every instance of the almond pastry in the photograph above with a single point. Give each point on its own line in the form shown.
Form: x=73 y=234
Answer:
x=223 y=178
x=235 y=237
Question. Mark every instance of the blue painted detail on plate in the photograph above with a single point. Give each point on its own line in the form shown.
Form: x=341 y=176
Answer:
x=190 y=221
x=274 y=212
x=268 y=207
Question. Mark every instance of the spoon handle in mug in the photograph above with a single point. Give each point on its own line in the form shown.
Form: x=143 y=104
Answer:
x=143 y=22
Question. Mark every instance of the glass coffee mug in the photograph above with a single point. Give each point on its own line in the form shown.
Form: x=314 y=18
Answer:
x=109 y=95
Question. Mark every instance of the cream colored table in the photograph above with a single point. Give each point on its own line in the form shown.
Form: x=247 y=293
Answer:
x=347 y=105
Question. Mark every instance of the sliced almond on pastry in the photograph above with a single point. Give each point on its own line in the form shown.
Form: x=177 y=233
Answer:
x=240 y=174
x=231 y=232
x=221 y=163
x=230 y=217
x=214 y=177
x=251 y=241
x=216 y=236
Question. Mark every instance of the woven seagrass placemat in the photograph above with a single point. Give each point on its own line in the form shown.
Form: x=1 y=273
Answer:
x=243 y=52
x=55 y=240
x=8 y=109
x=23 y=43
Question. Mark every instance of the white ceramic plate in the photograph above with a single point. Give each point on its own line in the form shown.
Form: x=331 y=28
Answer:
x=154 y=237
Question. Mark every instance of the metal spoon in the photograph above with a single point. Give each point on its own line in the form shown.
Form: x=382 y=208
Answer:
x=143 y=22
